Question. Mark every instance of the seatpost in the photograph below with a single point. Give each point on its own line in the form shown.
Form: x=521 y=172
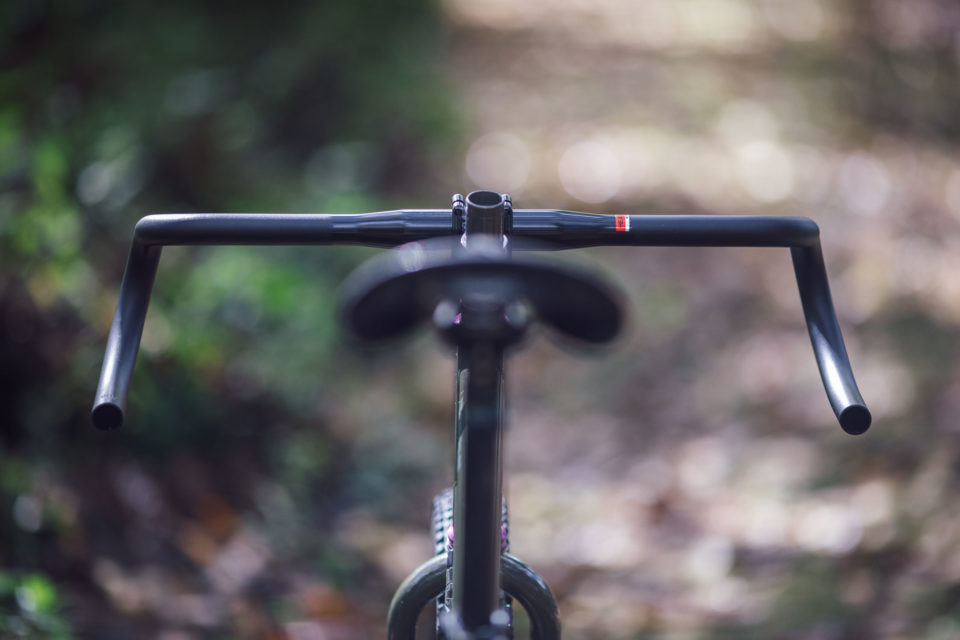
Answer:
x=481 y=330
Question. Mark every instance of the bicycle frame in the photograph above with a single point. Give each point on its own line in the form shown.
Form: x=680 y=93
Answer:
x=478 y=428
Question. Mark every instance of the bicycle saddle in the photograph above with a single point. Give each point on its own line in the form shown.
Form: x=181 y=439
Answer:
x=390 y=294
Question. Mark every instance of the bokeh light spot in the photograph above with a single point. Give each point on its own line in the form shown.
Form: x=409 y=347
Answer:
x=590 y=171
x=499 y=161
x=864 y=184
x=766 y=171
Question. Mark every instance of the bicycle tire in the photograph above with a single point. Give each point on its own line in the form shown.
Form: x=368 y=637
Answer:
x=442 y=525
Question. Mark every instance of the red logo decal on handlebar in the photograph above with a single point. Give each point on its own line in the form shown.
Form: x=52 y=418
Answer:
x=623 y=223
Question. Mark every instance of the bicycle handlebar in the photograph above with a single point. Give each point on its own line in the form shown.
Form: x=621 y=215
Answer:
x=565 y=229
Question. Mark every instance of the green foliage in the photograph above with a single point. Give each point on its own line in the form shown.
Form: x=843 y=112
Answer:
x=113 y=110
x=812 y=599
x=30 y=608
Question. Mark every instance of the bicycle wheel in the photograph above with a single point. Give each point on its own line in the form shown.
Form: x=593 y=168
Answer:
x=442 y=527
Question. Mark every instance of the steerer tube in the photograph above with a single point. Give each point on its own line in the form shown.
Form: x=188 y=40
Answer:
x=484 y=213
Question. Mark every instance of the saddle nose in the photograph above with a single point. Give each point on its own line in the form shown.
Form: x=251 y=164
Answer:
x=392 y=293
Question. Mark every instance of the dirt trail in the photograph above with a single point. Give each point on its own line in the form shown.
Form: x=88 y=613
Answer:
x=670 y=480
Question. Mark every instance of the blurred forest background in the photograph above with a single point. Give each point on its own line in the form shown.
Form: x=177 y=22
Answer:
x=691 y=484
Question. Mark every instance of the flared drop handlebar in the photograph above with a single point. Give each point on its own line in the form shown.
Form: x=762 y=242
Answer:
x=563 y=229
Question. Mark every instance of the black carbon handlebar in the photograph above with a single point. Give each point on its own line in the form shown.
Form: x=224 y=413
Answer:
x=563 y=228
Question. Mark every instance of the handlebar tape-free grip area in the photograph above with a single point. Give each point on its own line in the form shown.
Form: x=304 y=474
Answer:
x=124 y=339
x=835 y=369
x=380 y=229
x=563 y=228
x=801 y=235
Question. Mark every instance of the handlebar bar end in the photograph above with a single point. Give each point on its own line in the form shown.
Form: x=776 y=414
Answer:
x=855 y=419
x=107 y=416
